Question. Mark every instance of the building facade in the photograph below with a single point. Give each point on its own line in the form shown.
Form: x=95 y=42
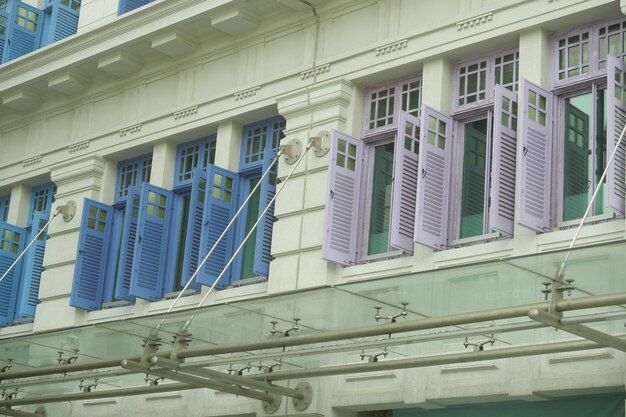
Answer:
x=437 y=157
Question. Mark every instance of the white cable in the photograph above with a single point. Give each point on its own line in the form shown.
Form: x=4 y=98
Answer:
x=561 y=271
x=282 y=185
x=56 y=213
x=228 y=226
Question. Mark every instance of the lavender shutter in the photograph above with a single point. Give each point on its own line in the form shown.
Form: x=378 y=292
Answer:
x=194 y=226
x=616 y=120
x=404 y=193
x=91 y=257
x=342 y=202
x=535 y=157
x=11 y=245
x=219 y=208
x=504 y=162
x=153 y=222
x=32 y=268
x=433 y=181
x=127 y=250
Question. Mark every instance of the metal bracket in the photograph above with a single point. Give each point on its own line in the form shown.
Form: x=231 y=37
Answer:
x=285 y=333
x=272 y=407
x=303 y=403
x=320 y=143
x=68 y=210
x=374 y=358
x=8 y=366
x=180 y=343
x=66 y=361
x=292 y=150
x=391 y=319
x=150 y=348
x=479 y=347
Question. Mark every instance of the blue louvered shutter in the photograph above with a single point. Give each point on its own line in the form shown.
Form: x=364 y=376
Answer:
x=12 y=239
x=128 y=5
x=91 y=257
x=404 y=192
x=23 y=32
x=219 y=208
x=504 y=162
x=127 y=245
x=535 y=158
x=616 y=120
x=263 y=245
x=4 y=27
x=433 y=180
x=63 y=22
x=343 y=199
x=32 y=269
x=194 y=226
x=155 y=211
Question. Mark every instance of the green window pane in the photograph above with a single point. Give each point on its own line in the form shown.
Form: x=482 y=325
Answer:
x=91 y=223
x=341 y=160
x=151 y=196
x=150 y=210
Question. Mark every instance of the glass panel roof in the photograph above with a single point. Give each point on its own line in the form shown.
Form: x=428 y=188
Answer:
x=460 y=290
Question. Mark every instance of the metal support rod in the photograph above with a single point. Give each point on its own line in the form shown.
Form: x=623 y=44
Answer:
x=578 y=329
x=93 y=395
x=62 y=369
x=198 y=382
x=408 y=326
x=435 y=360
x=16 y=413
x=32 y=242
x=377 y=330
x=246 y=382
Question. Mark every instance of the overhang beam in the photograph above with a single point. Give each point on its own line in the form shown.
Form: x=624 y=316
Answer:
x=578 y=329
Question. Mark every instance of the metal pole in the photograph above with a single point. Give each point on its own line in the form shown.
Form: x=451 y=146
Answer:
x=407 y=326
x=445 y=359
x=198 y=382
x=577 y=329
x=378 y=330
x=93 y=395
x=16 y=413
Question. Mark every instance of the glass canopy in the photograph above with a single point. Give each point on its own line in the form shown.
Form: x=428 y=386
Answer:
x=237 y=337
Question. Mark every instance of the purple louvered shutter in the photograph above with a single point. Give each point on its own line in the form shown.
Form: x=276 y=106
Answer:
x=535 y=157
x=153 y=222
x=342 y=201
x=127 y=250
x=404 y=183
x=433 y=181
x=194 y=226
x=504 y=162
x=616 y=119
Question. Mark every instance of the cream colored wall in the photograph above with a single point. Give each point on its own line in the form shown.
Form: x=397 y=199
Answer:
x=226 y=81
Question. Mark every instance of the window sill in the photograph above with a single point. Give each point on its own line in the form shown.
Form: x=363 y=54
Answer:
x=248 y=281
x=114 y=304
x=590 y=220
x=489 y=237
x=382 y=256
x=174 y=294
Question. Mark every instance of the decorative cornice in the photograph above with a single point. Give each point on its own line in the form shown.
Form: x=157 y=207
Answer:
x=185 y=112
x=78 y=146
x=318 y=70
x=474 y=21
x=129 y=130
x=391 y=47
x=250 y=92
x=32 y=161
